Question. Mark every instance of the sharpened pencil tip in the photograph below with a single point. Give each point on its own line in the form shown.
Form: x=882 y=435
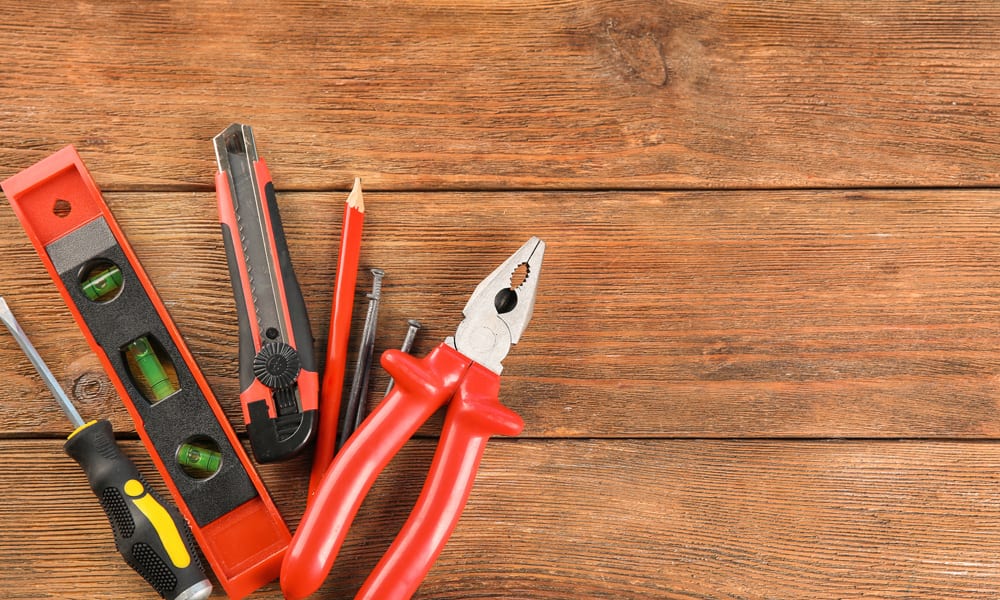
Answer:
x=356 y=199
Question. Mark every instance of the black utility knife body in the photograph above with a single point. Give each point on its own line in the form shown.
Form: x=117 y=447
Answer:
x=279 y=384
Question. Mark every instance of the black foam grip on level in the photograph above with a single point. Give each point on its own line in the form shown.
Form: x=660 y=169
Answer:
x=175 y=419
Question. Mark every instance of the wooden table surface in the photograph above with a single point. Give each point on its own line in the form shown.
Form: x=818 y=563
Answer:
x=763 y=361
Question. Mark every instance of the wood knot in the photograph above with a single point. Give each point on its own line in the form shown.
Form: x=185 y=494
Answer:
x=91 y=387
x=641 y=50
x=88 y=387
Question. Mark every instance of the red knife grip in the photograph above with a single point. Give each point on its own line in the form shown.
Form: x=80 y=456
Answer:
x=475 y=414
x=422 y=386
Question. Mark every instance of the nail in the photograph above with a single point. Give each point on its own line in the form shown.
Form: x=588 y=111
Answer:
x=411 y=335
x=355 y=412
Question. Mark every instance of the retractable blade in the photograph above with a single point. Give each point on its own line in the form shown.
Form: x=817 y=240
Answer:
x=279 y=384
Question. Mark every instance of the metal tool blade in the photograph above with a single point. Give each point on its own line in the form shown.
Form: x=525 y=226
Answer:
x=50 y=381
x=236 y=153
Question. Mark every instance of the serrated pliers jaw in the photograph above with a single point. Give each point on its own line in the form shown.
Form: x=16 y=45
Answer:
x=500 y=308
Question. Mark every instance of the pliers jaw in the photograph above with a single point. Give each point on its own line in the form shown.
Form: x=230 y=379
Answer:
x=500 y=308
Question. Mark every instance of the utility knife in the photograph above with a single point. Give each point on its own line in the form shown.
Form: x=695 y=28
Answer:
x=279 y=384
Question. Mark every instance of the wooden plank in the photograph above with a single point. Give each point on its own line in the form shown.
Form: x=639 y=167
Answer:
x=759 y=314
x=601 y=519
x=448 y=94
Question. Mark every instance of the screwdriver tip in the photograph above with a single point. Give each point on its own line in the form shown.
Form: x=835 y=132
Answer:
x=356 y=200
x=5 y=310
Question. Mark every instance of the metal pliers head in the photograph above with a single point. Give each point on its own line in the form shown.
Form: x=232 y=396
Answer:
x=500 y=308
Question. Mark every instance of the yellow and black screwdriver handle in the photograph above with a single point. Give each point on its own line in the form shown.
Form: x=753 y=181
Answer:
x=151 y=535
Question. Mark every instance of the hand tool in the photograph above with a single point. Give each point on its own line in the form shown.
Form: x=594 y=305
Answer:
x=340 y=329
x=465 y=369
x=413 y=326
x=150 y=535
x=231 y=515
x=279 y=385
x=362 y=370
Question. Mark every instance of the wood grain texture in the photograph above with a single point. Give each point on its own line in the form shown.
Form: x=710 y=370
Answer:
x=564 y=519
x=532 y=94
x=699 y=314
x=769 y=225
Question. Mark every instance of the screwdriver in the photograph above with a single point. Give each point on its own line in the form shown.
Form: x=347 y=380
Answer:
x=152 y=536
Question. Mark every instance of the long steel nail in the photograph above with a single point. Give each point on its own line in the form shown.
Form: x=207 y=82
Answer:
x=355 y=412
x=411 y=335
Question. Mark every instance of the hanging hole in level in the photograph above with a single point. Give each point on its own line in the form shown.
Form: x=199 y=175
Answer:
x=61 y=208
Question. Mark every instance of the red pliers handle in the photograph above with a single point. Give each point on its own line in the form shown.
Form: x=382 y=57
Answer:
x=475 y=414
x=422 y=387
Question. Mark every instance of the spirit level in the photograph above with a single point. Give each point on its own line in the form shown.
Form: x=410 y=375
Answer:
x=230 y=512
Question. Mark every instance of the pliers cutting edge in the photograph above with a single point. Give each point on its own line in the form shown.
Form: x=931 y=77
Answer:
x=464 y=369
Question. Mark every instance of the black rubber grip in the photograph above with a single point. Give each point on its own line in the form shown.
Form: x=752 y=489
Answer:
x=293 y=294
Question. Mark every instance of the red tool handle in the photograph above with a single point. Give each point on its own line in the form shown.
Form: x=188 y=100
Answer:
x=475 y=413
x=422 y=386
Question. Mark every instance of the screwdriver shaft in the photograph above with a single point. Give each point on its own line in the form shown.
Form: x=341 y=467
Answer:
x=29 y=350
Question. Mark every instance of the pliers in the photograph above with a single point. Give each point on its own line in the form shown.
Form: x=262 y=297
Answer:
x=464 y=369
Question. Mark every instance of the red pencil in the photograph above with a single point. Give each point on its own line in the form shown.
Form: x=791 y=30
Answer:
x=340 y=329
